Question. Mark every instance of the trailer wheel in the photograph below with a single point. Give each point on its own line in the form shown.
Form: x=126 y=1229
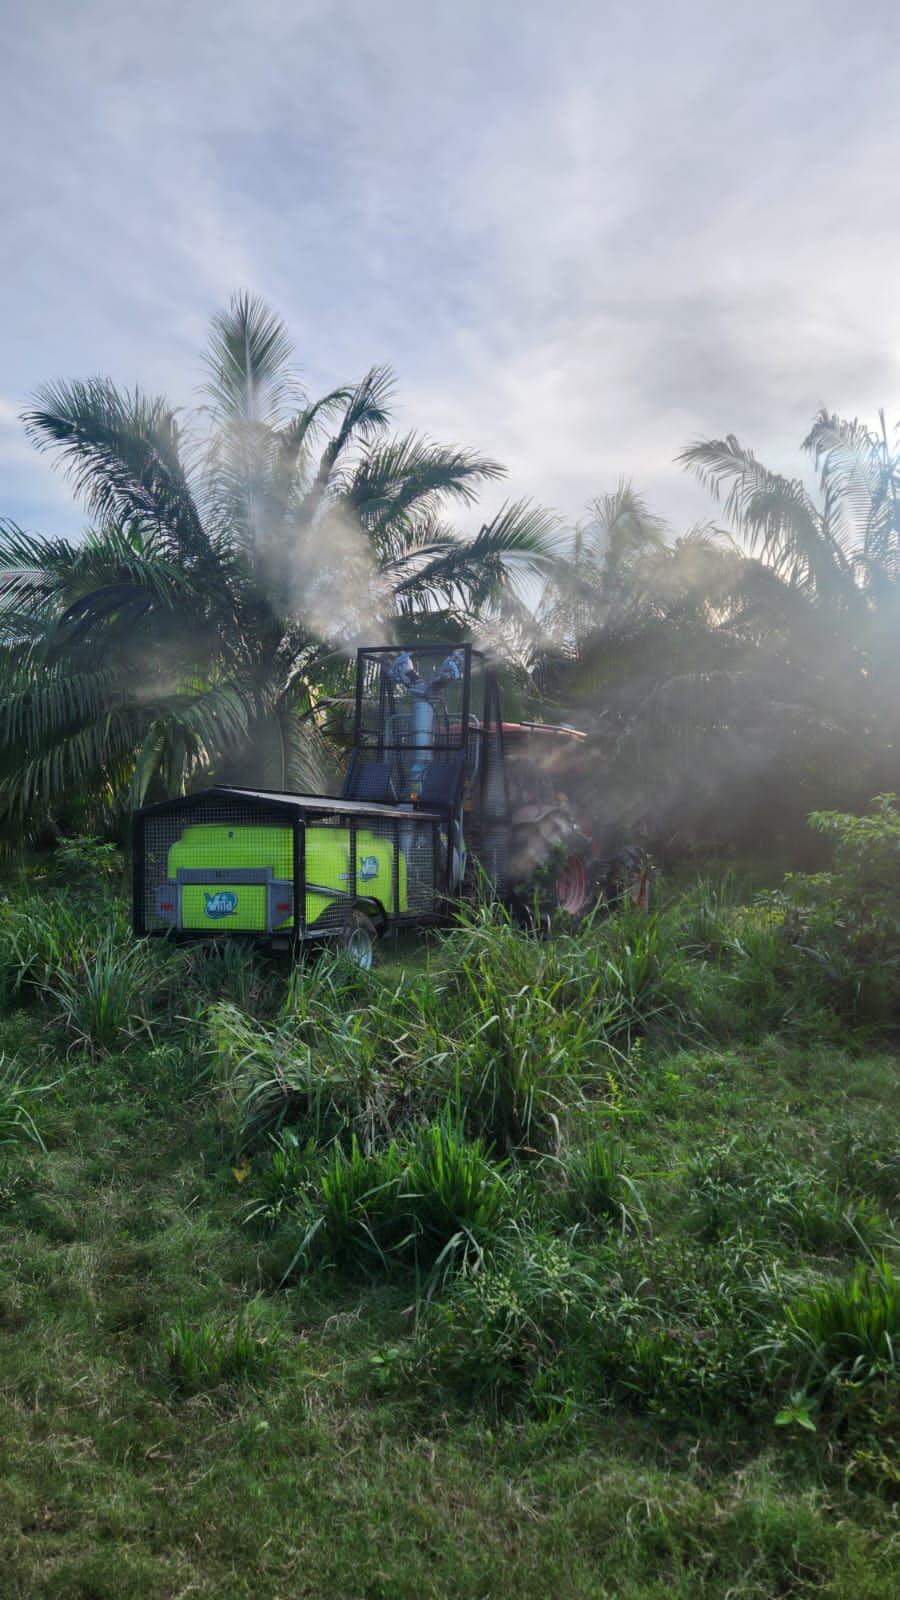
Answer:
x=358 y=938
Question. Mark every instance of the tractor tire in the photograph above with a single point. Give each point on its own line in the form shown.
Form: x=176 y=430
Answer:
x=574 y=888
x=358 y=938
x=630 y=879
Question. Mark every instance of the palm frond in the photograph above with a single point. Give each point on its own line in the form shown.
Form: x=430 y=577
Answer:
x=296 y=436
x=38 y=710
x=413 y=472
x=365 y=415
x=775 y=515
x=248 y=363
x=122 y=456
x=95 y=759
x=518 y=544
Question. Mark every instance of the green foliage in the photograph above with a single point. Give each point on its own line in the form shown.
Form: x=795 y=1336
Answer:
x=17 y=1104
x=280 y=1075
x=846 y=1331
x=39 y=937
x=597 y=1189
x=848 y=920
x=756 y=1189
x=278 y=1251
x=695 y=1348
x=646 y=974
x=503 y=1334
x=460 y=1199
x=102 y=996
x=80 y=966
x=202 y=1354
x=193 y=630
x=89 y=864
x=430 y=1205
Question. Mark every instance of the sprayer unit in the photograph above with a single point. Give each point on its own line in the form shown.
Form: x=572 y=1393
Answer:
x=440 y=796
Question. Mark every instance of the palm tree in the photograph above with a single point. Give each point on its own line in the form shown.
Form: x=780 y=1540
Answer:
x=845 y=551
x=234 y=558
x=841 y=557
x=698 y=666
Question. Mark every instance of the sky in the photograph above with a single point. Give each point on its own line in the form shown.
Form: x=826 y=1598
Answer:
x=583 y=233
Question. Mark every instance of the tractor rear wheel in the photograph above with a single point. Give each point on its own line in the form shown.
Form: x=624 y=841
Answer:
x=630 y=879
x=573 y=888
x=358 y=938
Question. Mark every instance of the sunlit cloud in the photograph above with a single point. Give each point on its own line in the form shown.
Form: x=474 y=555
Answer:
x=583 y=235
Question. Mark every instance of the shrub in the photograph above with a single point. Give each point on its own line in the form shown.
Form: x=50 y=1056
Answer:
x=847 y=921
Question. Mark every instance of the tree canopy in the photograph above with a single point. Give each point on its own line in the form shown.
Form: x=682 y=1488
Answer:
x=235 y=556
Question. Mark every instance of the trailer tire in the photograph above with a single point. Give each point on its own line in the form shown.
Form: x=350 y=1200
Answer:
x=358 y=938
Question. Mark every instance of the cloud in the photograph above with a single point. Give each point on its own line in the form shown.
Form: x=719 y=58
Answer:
x=583 y=234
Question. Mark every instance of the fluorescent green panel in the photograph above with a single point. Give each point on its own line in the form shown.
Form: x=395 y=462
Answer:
x=224 y=907
x=328 y=864
x=217 y=847
x=215 y=844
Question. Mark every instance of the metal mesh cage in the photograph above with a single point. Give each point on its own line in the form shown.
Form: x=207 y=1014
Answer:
x=389 y=860
x=215 y=848
x=217 y=865
x=491 y=845
x=414 y=710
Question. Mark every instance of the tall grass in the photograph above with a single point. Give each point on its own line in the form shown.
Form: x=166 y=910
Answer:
x=427 y=1205
x=845 y=1331
x=18 y=1102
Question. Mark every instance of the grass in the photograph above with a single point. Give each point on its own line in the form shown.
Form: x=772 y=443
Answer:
x=550 y=1267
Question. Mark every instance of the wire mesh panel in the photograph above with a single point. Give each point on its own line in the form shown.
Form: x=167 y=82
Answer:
x=215 y=866
x=413 y=710
x=391 y=861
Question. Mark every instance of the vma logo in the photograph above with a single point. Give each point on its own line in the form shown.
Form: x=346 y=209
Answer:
x=222 y=904
x=367 y=868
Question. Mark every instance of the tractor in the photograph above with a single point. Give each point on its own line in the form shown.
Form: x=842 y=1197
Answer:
x=440 y=798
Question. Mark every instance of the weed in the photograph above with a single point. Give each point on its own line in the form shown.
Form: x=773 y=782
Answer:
x=17 y=1102
x=458 y=1198
x=501 y=1332
x=101 y=997
x=39 y=937
x=206 y=1353
x=272 y=1078
x=756 y=1190
x=428 y=1205
x=845 y=1331
x=598 y=1191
